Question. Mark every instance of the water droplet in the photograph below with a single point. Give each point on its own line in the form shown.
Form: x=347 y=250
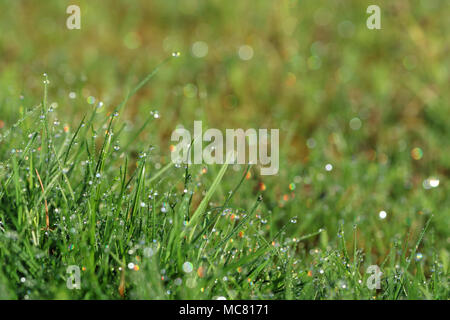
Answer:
x=416 y=153
x=90 y=100
x=199 y=49
x=431 y=182
x=188 y=267
x=148 y=252
x=311 y=143
x=355 y=124
x=245 y=52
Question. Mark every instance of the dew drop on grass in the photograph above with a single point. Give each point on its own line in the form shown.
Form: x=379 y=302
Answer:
x=294 y=220
x=176 y=54
x=148 y=252
x=417 y=153
x=311 y=143
x=199 y=49
x=191 y=283
x=245 y=52
x=431 y=182
x=355 y=124
x=188 y=267
x=90 y=100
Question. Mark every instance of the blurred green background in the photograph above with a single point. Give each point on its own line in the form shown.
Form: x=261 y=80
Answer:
x=373 y=103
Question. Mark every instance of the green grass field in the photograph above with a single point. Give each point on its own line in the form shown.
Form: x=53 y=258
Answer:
x=86 y=177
